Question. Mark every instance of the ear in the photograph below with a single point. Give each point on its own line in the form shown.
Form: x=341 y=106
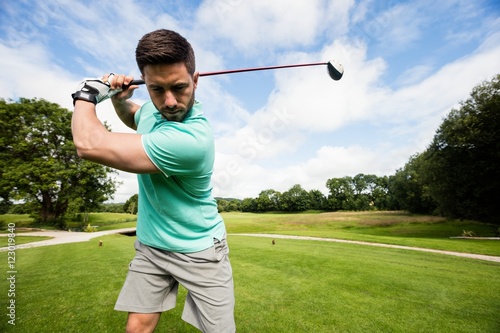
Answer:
x=195 y=79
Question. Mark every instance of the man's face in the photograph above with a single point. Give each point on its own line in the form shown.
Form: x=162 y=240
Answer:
x=171 y=89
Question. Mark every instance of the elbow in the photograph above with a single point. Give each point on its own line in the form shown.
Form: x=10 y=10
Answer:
x=83 y=149
x=81 y=153
x=88 y=132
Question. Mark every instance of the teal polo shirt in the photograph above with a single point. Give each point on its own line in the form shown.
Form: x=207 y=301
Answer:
x=176 y=209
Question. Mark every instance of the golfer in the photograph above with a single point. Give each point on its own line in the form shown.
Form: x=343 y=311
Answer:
x=181 y=238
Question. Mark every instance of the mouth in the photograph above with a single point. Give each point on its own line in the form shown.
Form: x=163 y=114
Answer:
x=171 y=112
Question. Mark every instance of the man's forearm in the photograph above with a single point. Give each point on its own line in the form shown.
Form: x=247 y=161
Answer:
x=87 y=129
x=93 y=142
x=125 y=109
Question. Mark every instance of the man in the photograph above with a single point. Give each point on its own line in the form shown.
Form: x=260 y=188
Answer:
x=180 y=234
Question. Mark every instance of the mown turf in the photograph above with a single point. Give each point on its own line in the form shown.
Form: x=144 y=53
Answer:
x=4 y=240
x=399 y=228
x=292 y=286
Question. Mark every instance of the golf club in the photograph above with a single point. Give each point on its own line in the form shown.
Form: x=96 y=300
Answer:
x=335 y=70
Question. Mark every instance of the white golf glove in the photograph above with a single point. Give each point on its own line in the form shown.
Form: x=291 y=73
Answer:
x=94 y=90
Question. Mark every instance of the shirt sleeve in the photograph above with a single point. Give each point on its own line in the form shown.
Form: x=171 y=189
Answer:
x=175 y=150
x=137 y=116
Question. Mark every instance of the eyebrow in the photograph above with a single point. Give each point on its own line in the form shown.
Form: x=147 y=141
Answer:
x=175 y=84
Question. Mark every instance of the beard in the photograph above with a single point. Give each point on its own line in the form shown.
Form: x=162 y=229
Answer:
x=177 y=114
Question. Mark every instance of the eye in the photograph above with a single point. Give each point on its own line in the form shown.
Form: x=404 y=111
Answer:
x=157 y=89
x=179 y=87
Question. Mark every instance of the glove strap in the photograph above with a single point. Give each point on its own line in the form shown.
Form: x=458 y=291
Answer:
x=84 y=96
x=87 y=93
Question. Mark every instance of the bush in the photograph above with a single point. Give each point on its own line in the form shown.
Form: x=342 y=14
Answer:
x=90 y=228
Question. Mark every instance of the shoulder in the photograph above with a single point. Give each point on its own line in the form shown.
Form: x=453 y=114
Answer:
x=146 y=111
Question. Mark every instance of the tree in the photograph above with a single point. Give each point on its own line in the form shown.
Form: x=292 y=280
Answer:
x=131 y=205
x=233 y=205
x=317 y=200
x=268 y=200
x=363 y=187
x=248 y=205
x=296 y=199
x=358 y=193
x=410 y=191
x=463 y=161
x=39 y=164
x=222 y=205
x=381 y=196
x=341 y=193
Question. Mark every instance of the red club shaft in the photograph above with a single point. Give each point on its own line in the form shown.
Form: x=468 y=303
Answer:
x=253 y=69
x=260 y=68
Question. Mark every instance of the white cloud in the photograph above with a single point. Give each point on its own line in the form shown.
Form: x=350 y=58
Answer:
x=307 y=101
x=318 y=103
x=442 y=90
x=414 y=75
x=410 y=116
x=28 y=72
x=306 y=111
x=237 y=177
x=254 y=26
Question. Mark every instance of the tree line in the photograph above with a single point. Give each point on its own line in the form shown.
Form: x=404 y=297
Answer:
x=458 y=175
x=358 y=193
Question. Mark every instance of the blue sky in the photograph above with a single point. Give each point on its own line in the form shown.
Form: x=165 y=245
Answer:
x=407 y=64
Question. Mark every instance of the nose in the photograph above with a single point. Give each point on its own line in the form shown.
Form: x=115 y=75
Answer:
x=170 y=100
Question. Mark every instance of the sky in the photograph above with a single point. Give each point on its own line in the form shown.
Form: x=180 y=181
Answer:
x=407 y=64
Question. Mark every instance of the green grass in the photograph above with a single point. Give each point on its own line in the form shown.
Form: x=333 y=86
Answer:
x=107 y=221
x=319 y=287
x=110 y=218
x=103 y=220
x=116 y=226
x=399 y=228
x=293 y=286
x=20 y=221
x=4 y=241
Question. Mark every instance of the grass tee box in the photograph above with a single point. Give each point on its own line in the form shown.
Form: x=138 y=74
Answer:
x=398 y=228
x=104 y=221
x=291 y=286
x=394 y=227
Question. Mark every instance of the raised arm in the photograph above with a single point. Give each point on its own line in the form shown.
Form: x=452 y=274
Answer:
x=124 y=107
x=95 y=143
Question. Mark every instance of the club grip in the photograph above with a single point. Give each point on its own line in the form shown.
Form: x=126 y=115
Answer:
x=133 y=83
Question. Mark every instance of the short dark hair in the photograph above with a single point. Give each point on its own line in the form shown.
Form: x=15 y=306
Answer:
x=164 y=47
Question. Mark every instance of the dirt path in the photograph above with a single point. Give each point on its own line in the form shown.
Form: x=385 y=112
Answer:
x=62 y=237
x=457 y=254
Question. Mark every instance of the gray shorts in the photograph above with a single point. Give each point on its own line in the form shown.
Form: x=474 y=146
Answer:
x=154 y=275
